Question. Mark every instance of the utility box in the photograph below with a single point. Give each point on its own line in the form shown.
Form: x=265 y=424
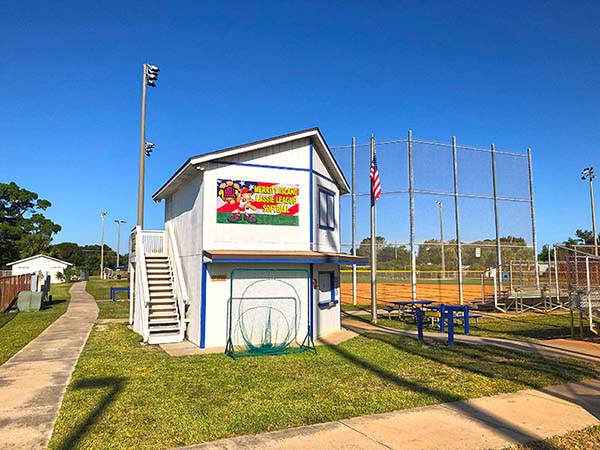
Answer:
x=29 y=301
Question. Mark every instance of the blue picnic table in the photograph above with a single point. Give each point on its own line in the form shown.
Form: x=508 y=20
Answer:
x=408 y=306
x=114 y=290
x=446 y=313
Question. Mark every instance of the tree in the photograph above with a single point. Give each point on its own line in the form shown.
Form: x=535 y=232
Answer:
x=545 y=253
x=582 y=237
x=86 y=257
x=69 y=274
x=389 y=256
x=24 y=230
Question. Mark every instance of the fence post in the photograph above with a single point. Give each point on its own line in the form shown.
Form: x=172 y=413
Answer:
x=496 y=222
x=556 y=276
x=589 y=291
x=354 y=219
x=457 y=221
x=532 y=210
x=411 y=201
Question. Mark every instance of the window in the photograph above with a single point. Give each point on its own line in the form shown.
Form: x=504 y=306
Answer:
x=326 y=209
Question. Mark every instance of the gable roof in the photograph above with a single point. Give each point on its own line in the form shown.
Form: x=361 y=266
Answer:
x=188 y=168
x=39 y=256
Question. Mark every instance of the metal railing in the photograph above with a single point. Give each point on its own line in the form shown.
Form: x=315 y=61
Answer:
x=178 y=278
x=142 y=294
x=154 y=242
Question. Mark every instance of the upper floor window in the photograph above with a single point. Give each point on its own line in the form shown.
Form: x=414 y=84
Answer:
x=326 y=209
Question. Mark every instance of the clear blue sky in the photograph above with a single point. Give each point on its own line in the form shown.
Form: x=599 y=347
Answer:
x=517 y=74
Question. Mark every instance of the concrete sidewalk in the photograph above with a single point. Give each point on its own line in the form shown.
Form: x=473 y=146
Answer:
x=555 y=348
x=33 y=382
x=489 y=422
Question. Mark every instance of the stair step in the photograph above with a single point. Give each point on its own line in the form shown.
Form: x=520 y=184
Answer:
x=160 y=287
x=166 y=275
x=162 y=301
x=164 y=281
x=162 y=321
x=162 y=338
x=156 y=257
x=163 y=328
x=162 y=307
x=162 y=295
x=163 y=314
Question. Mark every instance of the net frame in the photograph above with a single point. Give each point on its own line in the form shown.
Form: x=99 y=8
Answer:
x=291 y=343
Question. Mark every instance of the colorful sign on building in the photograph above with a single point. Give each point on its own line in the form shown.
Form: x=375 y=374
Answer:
x=257 y=202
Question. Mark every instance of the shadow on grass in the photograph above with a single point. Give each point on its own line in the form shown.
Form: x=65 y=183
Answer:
x=111 y=387
x=6 y=317
x=543 y=330
x=494 y=422
x=50 y=304
x=513 y=364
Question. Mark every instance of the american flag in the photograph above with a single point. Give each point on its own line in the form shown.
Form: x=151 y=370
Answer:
x=375 y=183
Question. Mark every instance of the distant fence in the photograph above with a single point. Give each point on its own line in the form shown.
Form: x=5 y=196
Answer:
x=10 y=288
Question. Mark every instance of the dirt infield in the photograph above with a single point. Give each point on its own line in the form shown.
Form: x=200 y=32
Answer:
x=388 y=292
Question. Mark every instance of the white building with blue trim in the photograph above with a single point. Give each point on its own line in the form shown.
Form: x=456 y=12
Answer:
x=251 y=247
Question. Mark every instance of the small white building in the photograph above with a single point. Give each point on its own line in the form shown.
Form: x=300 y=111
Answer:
x=47 y=265
x=250 y=254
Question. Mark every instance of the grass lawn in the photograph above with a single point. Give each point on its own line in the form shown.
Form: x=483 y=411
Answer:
x=586 y=439
x=18 y=329
x=126 y=395
x=113 y=310
x=521 y=327
x=100 y=290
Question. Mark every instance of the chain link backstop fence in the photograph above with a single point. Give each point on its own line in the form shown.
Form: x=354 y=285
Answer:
x=454 y=223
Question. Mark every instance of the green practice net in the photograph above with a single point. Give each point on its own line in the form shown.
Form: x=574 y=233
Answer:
x=268 y=312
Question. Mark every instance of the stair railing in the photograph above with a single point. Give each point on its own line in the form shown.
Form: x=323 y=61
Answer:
x=179 y=278
x=143 y=295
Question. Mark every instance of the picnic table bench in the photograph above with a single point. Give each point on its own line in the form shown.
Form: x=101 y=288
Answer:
x=405 y=308
x=434 y=313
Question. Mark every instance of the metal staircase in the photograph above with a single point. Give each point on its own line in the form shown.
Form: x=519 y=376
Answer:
x=159 y=299
x=163 y=316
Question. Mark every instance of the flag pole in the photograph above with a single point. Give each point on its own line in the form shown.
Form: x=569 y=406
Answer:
x=373 y=248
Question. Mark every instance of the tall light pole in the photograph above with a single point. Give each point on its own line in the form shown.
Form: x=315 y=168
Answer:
x=102 y=215
x=118 y=222
x=149 y=77
x=439 y=203
x=588 y=173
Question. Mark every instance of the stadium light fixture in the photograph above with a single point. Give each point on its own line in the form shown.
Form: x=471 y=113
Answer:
x=151 y=74
x=588 y=174
x=148 y=147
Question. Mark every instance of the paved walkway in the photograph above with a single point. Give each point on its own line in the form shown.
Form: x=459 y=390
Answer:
x=33 y=382
x=489 y=422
